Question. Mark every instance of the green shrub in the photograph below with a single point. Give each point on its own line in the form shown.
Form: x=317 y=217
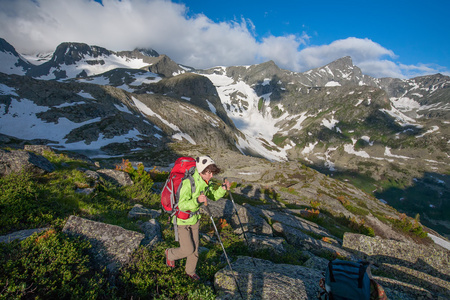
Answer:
x=338 y=225
x=279 y=139
x=17 y=197
x=62 y=160
x=142 y=182
x=276 y=112
x=356 y=210
x=409 y=226
x=147 y=277
x=158 y=176
x=49 y=265
x=25 y=203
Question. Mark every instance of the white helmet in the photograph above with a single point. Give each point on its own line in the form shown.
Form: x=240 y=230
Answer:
x=203 y=162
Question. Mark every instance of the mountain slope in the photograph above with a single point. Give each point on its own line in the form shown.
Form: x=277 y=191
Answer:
x=11 y=61
x=90 y=117
x=385 y=134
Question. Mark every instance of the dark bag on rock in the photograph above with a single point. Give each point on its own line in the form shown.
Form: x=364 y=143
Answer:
x=346 y=280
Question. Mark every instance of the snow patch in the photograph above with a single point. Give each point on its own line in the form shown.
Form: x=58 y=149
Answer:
x=405 y=103
x=359 y=102
x=8 y=65
x=351 y=150
x=330 y=123
x=147 y=111
x=110 y=62
x=266 y=81
x=308 y=149
x=21 y=121
x=433 y=129
x=132 y=135
x=123 y=108
x=211 y=107
x=387 y=152
x=6 y=90
x=441 y=242
x=401 y=118
x=241 y=103
x=85 y=95
x=332 y=83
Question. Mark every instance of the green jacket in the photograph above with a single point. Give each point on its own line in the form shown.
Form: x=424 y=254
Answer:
x=188 y=201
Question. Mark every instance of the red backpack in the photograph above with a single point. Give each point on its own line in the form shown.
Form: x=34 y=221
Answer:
x=184 y=168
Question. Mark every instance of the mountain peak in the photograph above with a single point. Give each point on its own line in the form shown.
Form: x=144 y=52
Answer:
x=341 y=63
x=140 y=53
x=147 y=52
x=70 y=52
x=7 y=47
x=11 y=61
x=339 y=72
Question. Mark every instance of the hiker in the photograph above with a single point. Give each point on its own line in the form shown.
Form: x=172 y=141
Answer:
x=188 y=229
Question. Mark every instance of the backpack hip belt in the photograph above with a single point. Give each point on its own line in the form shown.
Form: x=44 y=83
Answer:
x=184 y=215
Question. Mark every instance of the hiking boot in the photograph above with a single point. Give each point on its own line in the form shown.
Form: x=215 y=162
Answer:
x=194 y=276
x=169 y=263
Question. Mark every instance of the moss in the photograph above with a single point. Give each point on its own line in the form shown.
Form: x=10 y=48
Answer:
x=260 y=104
x=356 y=210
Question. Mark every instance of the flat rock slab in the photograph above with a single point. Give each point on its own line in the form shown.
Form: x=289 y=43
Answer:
x=20 y=235
x=117 y=177
x=152 y=231
x=296 y=222
x=422 y=265
x=303 y=241
x=420 y=257
x=40 y=149
x=111 y=245
x=139 y=210
x=261 y=242
x=249 y=218
x=266 y=280
x=222 y=208
x=16 y=161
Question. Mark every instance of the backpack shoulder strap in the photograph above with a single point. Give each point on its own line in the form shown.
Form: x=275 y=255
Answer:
x=189 y=175
x=191 y=179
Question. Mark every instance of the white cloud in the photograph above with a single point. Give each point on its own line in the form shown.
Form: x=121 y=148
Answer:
x=283 y=50
x=380 y=68
x=41 y=25
x=422 y=69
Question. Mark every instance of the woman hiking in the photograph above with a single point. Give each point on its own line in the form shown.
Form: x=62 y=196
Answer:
x=188 y=229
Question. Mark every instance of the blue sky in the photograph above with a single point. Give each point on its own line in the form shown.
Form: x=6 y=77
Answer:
x=384 y=38
x=416 y=31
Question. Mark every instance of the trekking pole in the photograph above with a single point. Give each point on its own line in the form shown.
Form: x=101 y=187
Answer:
x=239 y=219
x=223 y=248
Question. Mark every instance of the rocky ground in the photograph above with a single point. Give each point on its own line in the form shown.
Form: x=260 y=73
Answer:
x=267 y=193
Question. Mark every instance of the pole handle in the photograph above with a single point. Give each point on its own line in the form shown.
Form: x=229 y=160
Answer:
x=225 y=179
x=206 y=206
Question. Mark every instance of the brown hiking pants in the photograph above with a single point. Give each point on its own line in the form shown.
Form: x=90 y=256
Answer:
x=188 y=237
